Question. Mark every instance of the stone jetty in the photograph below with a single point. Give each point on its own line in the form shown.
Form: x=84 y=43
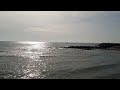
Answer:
x=99 y=46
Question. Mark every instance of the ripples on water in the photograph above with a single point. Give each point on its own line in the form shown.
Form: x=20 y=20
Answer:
x=40 y=60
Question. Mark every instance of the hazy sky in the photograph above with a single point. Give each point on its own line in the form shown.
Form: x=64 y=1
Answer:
x=75 y=26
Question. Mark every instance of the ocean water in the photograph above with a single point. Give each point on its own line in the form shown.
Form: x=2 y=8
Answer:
x=49 y=60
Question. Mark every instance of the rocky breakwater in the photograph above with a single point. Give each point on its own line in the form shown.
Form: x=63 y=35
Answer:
x=112 y=46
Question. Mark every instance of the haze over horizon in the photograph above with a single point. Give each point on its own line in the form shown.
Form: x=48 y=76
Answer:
x=60 y=26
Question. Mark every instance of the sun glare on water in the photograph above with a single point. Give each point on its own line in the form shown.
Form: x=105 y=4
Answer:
x=34 y=65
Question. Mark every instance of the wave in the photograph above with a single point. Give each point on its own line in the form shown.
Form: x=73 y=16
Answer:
x=7 y=55
x=26 y=56
x=48 y=56
x=79 y=73
x=94 y=68
x=110 y=76
x=1 y=51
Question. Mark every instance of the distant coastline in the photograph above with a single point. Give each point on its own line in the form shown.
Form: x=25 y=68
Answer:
x=110 y=46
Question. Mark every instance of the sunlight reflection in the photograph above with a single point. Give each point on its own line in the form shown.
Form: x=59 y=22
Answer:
x=32 y=71
x=33 y=49
x=34 y=45
x=28 y=42
x=35 y=66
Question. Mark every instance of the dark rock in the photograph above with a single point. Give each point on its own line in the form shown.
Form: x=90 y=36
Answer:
x=99 y=46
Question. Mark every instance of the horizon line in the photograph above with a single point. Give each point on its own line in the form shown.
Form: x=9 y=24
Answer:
x=53 y=41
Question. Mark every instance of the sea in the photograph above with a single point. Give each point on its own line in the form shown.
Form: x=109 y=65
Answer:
x=50 y=60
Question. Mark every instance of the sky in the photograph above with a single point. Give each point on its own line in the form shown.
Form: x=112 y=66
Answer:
x=60 y=26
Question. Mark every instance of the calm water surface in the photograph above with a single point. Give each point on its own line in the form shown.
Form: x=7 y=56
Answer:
x=45 y=60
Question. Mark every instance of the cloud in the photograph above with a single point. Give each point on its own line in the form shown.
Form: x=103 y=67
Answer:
x=39 y=29
x=68 y=25
x=44 y=20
